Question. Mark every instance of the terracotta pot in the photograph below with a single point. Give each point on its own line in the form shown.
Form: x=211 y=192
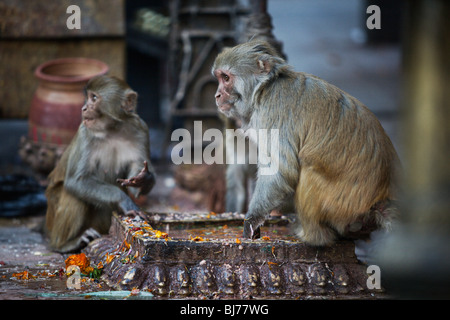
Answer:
x=55 y=112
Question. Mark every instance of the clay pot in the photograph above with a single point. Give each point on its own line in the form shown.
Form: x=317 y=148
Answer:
x=55 y=112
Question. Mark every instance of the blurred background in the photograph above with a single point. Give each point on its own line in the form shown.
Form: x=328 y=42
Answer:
x=146 y=43
x=165 y=49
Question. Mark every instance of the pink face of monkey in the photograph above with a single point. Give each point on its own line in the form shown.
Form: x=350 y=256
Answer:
x=225 y=96
x=91 y=110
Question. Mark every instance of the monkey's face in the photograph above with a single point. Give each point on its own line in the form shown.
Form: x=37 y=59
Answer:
x=226 y=96
x=91 y=114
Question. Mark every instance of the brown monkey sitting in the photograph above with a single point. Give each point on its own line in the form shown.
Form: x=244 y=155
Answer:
x=335 y=160
x=108 y=151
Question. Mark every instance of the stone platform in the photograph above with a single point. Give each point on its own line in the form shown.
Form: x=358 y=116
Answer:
x=136 y=255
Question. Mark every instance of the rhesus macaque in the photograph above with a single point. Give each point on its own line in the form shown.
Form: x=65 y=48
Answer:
x=110 y=152
x=336 y=163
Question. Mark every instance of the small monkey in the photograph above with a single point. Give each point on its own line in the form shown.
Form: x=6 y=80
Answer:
x=336 y=163
x=110 y=152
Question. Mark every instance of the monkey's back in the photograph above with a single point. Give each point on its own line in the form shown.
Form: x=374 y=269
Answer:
x=54 y=188
x=345 y=157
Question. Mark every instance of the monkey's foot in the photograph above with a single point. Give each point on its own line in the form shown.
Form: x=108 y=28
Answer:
x=251 y=233
x=88 y=236
x=76 y=245
x=316 y=234
x=136 y=213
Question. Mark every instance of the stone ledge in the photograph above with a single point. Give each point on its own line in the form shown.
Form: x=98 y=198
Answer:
x=178 y=268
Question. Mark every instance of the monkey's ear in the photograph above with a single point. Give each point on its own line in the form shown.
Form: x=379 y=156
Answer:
x=268 y=64
x=264 y=66
x=130 y=101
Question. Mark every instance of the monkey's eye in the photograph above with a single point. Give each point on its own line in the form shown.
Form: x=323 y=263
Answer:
x=94 y=97
x=226 y=77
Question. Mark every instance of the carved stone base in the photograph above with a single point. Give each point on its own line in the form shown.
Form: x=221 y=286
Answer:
x=134 y=255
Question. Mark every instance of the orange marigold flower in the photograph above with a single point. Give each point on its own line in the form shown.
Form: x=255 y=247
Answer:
x=87 y=270
x=197 y=238
x=23 y=275
x=79 y=260
x=110 y=257
x=159 y=234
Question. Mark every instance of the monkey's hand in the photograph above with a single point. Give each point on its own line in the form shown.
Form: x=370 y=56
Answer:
x=143 y=180
x=251 y=229
x=137 y=181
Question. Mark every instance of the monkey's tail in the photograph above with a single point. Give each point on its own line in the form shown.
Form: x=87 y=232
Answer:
x=385 y=213
x=381 y=216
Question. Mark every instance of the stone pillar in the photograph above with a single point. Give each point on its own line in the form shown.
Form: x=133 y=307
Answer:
x=415 y=261
x=259 y=25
